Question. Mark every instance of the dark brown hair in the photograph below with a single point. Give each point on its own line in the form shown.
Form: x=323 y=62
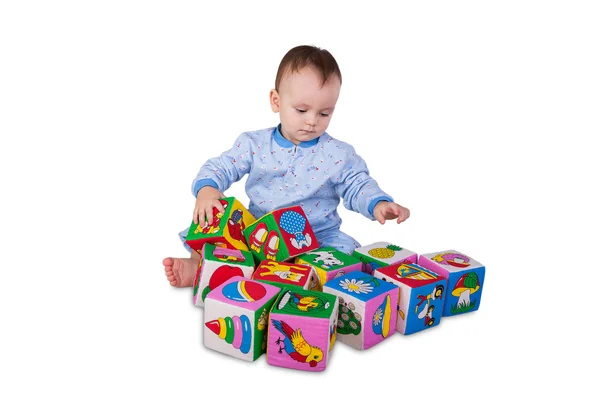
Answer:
x=302 y=56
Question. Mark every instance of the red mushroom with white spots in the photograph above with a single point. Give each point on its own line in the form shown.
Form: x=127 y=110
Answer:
x=465 y=287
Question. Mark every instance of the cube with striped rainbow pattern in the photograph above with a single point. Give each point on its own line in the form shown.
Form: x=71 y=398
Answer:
x=236 y=316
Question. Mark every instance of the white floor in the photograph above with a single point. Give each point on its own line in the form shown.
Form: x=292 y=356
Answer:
x=477 y=117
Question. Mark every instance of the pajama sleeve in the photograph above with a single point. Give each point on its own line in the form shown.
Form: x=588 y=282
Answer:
x=354 y=185
x=221 y=172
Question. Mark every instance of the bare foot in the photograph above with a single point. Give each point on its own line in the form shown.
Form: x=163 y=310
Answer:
x=181 y=272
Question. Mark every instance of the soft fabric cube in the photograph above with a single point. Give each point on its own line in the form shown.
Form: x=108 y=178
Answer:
x=420 y=295
x=227 y=229
x=329 y=263
x=367 y=309
x=465 y=279
x=382 y=254
x=236 y=316
x=217 y=265
x=302 y=329
x=284 y=274
x=280 y=235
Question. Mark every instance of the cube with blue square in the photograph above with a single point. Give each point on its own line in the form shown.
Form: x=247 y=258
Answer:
x=420 y=296
x=465 y=279
x=367 y=309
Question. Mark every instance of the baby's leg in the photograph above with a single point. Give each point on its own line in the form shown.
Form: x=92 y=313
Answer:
x=181 y=272
x=338 y=240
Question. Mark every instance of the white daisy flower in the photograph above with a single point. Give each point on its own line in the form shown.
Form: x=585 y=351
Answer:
x=356 y=286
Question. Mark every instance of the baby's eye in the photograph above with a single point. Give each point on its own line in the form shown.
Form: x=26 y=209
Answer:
x=300 y=111
x=324 y=115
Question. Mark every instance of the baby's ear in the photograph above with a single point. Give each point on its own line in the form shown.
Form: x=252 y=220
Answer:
x=274 y=99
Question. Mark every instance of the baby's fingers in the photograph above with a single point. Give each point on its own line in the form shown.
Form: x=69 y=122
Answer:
x=219 y=206
x=201 y=217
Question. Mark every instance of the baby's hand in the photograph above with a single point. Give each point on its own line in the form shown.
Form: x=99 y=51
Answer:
x=207 y=198
x=387 y=210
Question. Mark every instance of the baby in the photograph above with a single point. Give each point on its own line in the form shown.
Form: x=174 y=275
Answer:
x=295 y=163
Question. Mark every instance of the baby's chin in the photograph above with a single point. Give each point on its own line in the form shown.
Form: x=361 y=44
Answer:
x=305 y=136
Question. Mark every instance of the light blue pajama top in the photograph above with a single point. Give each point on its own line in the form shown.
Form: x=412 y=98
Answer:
x=313 y=175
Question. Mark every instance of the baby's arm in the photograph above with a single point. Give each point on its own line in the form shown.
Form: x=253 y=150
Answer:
x=362 y=194
x=217 y=175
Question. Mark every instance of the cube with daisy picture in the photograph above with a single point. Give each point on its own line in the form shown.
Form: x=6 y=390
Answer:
x=367 y=309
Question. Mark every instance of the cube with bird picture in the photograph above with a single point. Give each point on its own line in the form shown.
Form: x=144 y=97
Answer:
x=420 y=295
x=465 y=279
x=284 y=274
x=302 y=326
x=218 y=264
x=236 y=315
x=382 y=254
x=367 y=309
x=280 y=235
x=226 y=229
x=329 y=263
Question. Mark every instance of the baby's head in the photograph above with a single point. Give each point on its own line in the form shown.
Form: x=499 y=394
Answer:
x=306 y=90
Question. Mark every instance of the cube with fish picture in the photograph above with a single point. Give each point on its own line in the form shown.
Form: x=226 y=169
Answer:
x=420 y=295
x=367 y=309
x=281 y=235
x=236 y=315
x=465 y=279
x=302 y=329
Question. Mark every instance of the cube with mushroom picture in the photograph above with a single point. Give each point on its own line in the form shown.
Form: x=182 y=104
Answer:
x=302 y=329
x=280 y=235
x=465 y=279
x=236 y=315
x=367 y=310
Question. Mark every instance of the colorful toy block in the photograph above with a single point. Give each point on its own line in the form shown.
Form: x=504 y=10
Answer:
x=236 y=316
x=420 y=295
x=226 y=229
x=280 y=235
x=329 y=263
x=367 y=313
x=302 y=329
x=284 y=274
x=382 y=254
x=217 y=265
x=465 y=279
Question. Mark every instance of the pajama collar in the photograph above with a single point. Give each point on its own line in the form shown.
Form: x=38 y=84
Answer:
x=283 y=142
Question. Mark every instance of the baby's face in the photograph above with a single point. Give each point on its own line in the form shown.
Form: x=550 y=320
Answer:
x=305 y=107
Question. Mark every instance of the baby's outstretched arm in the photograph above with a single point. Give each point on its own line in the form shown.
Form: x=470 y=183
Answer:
x=385 y=210
x=207 y=198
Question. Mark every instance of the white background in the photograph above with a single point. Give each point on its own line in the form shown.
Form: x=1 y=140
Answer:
x=478 y=116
